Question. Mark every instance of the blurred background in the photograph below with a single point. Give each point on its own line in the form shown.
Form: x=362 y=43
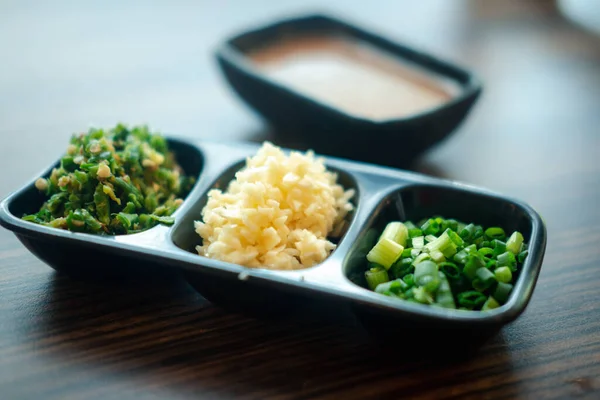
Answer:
x=67 y=65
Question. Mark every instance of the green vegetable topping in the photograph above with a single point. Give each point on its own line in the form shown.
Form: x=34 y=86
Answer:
x=113 y=182
x=446 y=263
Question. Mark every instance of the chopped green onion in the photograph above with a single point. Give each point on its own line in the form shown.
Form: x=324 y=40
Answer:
x=421 y=257
x=409 y=279
x=499 y=247
x=513 y=244
x=430 y=238
x=423 y=296
x=426 y=275
x=452 y=224
x=522 y=256
x=473 y=264
x=507 y=259
x=502 y=292
x=455 y=238
x=486 y=252
x=409 y=225
x=437 y=256
x=401 y=268
x=485 y=243
x=444 y=297
x=415 y=252
x=471 y=299
x=495 y=233
x=450 y=270
x=414 y=232
x=431 y=227
x=376 y=276
x=395 y=231
x=461 y=257
x=418 y=242
x=385 y=253
x=467 y=232
x=443 y=244
x=490 y=304
x=392 y=288
x=503 y=274
x=447 y=263
x=483 y=280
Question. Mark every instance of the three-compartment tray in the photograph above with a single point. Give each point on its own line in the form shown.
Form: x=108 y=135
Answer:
x=382 y=195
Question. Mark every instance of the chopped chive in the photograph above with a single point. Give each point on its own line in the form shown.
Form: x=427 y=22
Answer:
x=401 y=268
x=406 y=252
x=423 y=296
x=455 y=238
x=444 y=297
x=513 y=244
x=430 y=238
x=499 y=247
x=495 y=233
x=392 y=288
x=437 y=256
x=421 y=257
x=447 y=263
x=452 y=224
x=502 y=292
x=450 y=270
x=426 y=275
x=473 y=264
x=522 y=256
x=385 y=253
x=486 y=252
x=409 y=279
x=483 y=280
x=507 y=259
x=376 y=276
x=467 y=232
x=503 y=274
x=490 y=304
x=418 y=242
x=409 y=225
x=415 y=252
x=471 y=299
x=431 y=227
x=461 y=257
x=485 y=243
x=414 y=232
x=395 y=231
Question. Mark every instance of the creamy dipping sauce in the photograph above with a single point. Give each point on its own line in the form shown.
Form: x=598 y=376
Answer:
x=354 y=77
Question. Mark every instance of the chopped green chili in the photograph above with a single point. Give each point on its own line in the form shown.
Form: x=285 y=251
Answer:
x=117 y=181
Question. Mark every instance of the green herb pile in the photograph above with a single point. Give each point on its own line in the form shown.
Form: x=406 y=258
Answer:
x=446 y=263
x=113 y=182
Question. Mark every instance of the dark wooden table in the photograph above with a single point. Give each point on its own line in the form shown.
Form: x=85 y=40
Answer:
x=534 y=135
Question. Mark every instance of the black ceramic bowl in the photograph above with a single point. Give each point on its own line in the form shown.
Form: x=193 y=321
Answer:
x=329 y=130
x=383 y=194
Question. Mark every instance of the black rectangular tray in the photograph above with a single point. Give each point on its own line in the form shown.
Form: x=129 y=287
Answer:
x=383 y=194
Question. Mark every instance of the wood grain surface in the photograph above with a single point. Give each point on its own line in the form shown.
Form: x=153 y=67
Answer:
x=534 y=135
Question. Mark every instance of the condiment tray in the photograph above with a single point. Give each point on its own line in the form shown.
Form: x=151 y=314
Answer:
x=382 y=194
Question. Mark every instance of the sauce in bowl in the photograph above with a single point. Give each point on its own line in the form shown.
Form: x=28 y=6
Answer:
x=354 y=77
